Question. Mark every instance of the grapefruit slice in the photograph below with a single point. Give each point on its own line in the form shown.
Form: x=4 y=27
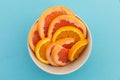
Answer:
x=68 y=32
x=48 y=53
x=66 y=20
x=33 y=37
x=67 y=43
x=77 y=49
x=48 y=15
x=60 y=55
x=40 y=50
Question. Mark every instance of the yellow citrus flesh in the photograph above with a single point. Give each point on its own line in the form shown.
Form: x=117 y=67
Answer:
x=66 y=20
x=48 y=15
x=68 y=32
x=77 y=49
x=40 y=50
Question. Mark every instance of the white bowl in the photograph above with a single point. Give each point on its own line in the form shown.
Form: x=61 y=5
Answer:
x=73 y=66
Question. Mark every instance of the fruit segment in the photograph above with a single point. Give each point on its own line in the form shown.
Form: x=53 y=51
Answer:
x=66 y=43
x=68 y=32
x=77 y=49
x=40 y=50
x=48 y=15
x=66 y=20
x=33 y=37
x=48 y=53
x=60 y=55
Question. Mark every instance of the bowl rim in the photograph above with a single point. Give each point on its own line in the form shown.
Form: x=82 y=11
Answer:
x=89 y=53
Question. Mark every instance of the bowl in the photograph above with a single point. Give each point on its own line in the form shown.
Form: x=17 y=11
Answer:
x=73 y=66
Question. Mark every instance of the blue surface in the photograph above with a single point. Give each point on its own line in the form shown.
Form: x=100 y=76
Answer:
x=102 y=17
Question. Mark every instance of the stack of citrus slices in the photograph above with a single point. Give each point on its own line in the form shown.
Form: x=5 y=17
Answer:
x=58 y=37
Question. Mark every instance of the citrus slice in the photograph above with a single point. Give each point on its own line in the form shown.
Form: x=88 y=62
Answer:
x=48 y=15
x=40 y=50
x=33 y=37
x=66 y=42
x=66 y=20
x=68 y=32
x=77 y=49
x=60 y=55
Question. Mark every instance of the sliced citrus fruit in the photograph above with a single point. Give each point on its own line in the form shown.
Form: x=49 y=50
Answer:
x=68 y=32
x=48 y=53
x=66 y=42
x=66 y=20
x=77 y=49
x=48 y=15
x=40 y=50
x=60 y=55
x=33 y=37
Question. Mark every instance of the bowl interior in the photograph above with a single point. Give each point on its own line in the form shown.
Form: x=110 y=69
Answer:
x=70 y=67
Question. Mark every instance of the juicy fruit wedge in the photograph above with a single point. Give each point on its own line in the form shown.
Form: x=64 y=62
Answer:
x=60 y=55
x=33 y=37
x=77 y=49
x=68 y=32
x=40 y=50
x=48 y=16
x=66 y=42
x=66 y=20
x=48 y=53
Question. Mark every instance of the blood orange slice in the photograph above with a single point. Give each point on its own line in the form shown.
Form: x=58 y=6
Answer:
x=33 y=37
x=60 y=55
x=48 y=15
x=66 y=20
x=66 y=42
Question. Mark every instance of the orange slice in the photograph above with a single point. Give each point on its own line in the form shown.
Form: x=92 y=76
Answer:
x=77 y=49
x=48 y=15
x=40 y=50
x=60 y=55
x=68 y=32
x=33 y=37
x=66 y=20
x=66 y=42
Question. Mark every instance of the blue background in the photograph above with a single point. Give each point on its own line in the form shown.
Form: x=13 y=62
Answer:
x=102 y=17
